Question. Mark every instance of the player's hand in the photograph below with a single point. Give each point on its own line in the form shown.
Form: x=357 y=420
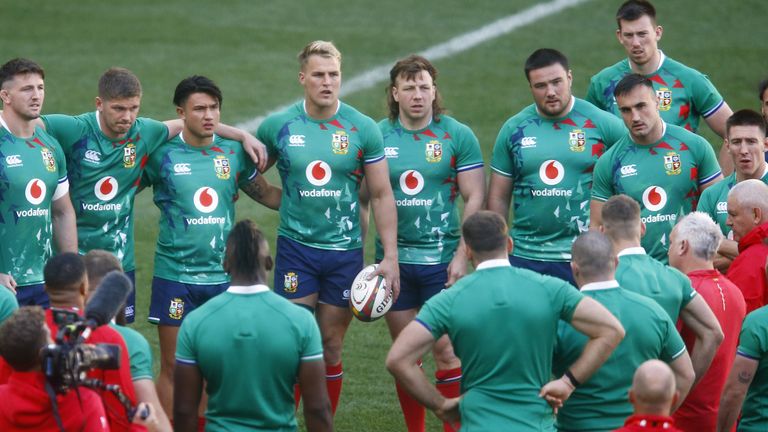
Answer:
x=457 y=269
x=389 y=269
x=556 y=392
x=8 y=281
x=256 y=150
x=449 y=413
x=145 y=416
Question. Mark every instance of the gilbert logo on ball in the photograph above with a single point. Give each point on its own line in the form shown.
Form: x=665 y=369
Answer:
x=369 y=300
x=106 y=188
x=318 y=173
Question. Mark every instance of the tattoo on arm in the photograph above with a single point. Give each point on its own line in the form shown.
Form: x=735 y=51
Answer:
x=745 y=377
x=253 y=190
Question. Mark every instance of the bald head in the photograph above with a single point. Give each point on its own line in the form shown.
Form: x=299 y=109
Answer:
x=653 y=388
x=593 y=259
x=747 y=207
x=621 y=218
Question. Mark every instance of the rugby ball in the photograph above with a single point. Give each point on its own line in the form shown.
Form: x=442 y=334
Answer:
x=369 y=300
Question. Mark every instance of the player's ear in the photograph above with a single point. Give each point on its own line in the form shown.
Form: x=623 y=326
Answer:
x=659 y=32
x=268 y=263
x=99 y=103
x=642 y=229
x=510 y=245
x=180 y=112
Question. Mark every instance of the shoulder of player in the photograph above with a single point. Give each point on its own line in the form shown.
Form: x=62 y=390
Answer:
x=358 y=119
x=599 y=117
x=692 y=140
x=281 y=117
x=619 y=68
x=526 y=114
x=639 y=301
x=681 y=71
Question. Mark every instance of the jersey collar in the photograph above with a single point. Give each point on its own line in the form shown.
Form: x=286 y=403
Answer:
x=603 y=285
x=304 y=107
x=491 y=263
x=250 y=289
x=4 y=124
x=639 y=250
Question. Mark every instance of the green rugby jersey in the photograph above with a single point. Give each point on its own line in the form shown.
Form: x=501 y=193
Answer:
x=753 y=344
x=8 y=303
x=714 y=201
x=640 y=273
x=684 y=94
x=664 y=178
x=103 y=175
x=139 y=352
x=502 y=322
x=195 y=189
x=423 y=169
x=602 y=402
x=249 y=343
x=321 y=166
x=550 y=163
x=33 y=174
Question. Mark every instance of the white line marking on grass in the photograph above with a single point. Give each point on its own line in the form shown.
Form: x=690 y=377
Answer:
x=458 y=44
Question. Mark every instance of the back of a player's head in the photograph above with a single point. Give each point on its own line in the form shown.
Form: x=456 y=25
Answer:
x=118 y=83
x=592 y=253
x=761 y=88
x=247 y=254
x=542 y=58
x=64 y=274
x=98 y=263
x=407 y=69
x=196 y=84
x=19 y=66
x=485 y=234
x=653 y=388
x=319 y=48
x=702 y=234
x=632 y=10
x=22 y=336
x=630 y=82
x=750 y=194
x=745 y=117
x=621 y=218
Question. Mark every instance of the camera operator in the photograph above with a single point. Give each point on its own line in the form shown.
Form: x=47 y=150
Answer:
x=26 y=403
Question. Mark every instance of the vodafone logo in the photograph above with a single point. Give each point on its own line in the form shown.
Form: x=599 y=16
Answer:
x=35 y=191
x=206 y=199
x=106 y=188
x=411 y=182
x=318 y=173
x=654 y=198
x=551 y=172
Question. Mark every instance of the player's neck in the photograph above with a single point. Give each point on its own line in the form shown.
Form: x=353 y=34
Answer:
x=758 y=174
x=620 y=245
x=649 y=67
x=238 y=280
x=193 y=140
x=317 y=112
x=693 y=264
x=415 y=124
x=17 y=125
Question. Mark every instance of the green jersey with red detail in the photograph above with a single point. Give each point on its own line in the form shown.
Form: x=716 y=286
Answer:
x=103 y=174
x=321 y=166
x=664 y=178
x=423 y=170
x=33 y=174
x=550 y=163
x=195 y=189
x=684 y=94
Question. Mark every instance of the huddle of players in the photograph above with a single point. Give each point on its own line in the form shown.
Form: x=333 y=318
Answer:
x=429 y=159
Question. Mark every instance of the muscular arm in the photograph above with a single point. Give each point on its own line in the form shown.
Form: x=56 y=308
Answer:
x=699 y=318
x=188 y=388
x=714 y=181
x=64 y=224
x=684 y=376
x=365 y=210
x=385 y=218
x=739 y=380
x=726 y=253
x=402 y=362
x=261 y=191
x=500 y=194
x=595 y=214
x=472 y=189
x=146 y=392
x=317 y=406
x=604 y=332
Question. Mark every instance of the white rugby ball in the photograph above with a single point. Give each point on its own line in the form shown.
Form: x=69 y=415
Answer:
x=369 y=300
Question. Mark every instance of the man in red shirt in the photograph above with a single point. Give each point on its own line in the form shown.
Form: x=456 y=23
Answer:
x=26 y=404
x=748 y=218
x=693 y=244
x=652 y=394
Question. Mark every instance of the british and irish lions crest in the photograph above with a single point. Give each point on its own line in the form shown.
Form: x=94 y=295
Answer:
x=672 y=163
x=176 y=309
x=434 y=151
x=48 y=160
x=129 y=155
x=221 y=166
x=664 y=96
x=577 y=140
x=340 y=143
x=290 y=282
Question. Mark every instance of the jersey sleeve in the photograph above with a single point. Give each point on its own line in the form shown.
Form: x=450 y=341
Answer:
x=186 y=351
x=435 y=315
x=267 y=134
x=672 y=344
x=154 y=133
x=373 y=142
x=62 y=187
x=707 y=165
x=753 y=339
x=8 y=303
x=708 y=202
x=594 y=94
x=141 y=360
x=687 y=289
x=247 y=171
x=66 y=129
x=312 y=346
x=566 y=298
x=706 y=99
x=602 y=178
x=468 y=156
x=502 y=159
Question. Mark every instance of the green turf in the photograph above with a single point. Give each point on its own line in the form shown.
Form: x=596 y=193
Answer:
x=249 y=48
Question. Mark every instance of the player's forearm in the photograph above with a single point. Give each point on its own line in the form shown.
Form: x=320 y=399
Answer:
x=704 y=351
x=412 y=378
x=595 y=353
x=318 y=419
x=261 y=191
x=64 y=225
x=728 y=249
x=145 y=392
x=230 y=132
x=385 y=218
x=730 y=406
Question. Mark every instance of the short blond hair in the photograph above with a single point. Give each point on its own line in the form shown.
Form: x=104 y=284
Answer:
x=321 y=48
